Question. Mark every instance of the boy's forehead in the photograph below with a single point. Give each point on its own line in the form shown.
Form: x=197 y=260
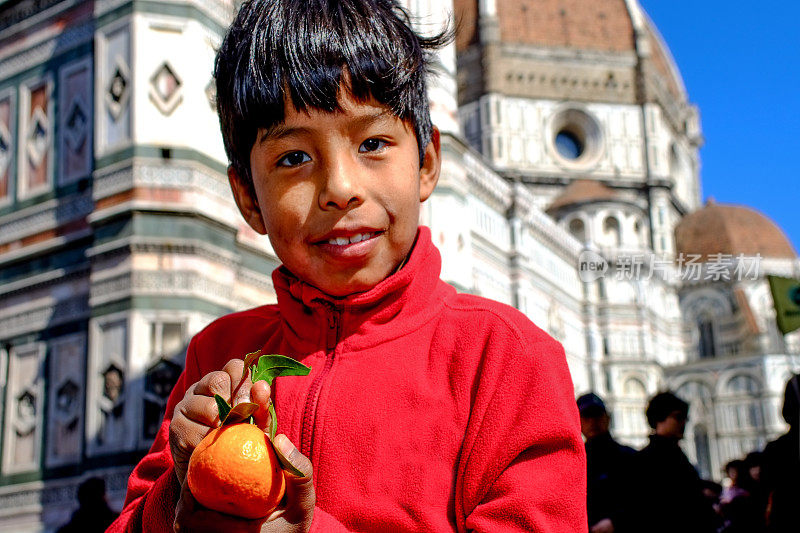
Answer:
x=353 y=113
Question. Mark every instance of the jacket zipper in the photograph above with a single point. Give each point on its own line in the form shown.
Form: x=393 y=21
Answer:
x=310 y=410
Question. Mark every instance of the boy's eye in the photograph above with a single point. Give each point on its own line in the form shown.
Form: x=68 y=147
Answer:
x=293 y=159
x=371 y=145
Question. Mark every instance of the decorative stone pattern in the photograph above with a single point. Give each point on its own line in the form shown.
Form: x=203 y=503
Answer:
x=67 y=395
x=75 y=121
x=177 y=177
x=36 y=132
x=162 y=283
x=43 y=500
x=166 y=89
x=40 y=53
x=42 y=316
x=6 y=146
x=113 y=86
x=110 y=419
x=24 y=404
x=44 y=216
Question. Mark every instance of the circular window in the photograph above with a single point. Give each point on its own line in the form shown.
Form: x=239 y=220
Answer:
x=569 y=145
x=575 y=138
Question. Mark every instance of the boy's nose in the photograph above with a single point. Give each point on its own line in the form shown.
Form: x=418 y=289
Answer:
x=340 y=189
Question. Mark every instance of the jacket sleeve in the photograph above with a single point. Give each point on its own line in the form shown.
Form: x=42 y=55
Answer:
x=153 y=489
x=523 y=466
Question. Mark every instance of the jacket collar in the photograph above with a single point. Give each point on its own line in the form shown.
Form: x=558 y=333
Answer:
x=407 y=299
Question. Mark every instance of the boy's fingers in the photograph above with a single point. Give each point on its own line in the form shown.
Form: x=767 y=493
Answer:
x=230 y=383
x=201 y=410
x=259 y=394
x=192 y=517
x=240 y=383
x=293 y=455
x=217 y=382
x=300 y=495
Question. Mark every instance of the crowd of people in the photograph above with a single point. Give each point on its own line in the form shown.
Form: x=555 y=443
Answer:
x=657 y=489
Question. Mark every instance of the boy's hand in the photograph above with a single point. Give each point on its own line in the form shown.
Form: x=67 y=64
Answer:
x=294 y=516
x=197 y=413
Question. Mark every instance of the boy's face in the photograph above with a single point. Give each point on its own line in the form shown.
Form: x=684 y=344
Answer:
x=338 y=193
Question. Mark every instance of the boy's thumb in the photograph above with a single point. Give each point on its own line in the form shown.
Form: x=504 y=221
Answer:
x=293 y=455
x=299 y=490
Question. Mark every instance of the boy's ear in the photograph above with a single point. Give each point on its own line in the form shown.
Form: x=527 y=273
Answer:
x=431 y=166
x=246 y=200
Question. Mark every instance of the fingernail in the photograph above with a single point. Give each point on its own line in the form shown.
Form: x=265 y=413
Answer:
x=285 y=445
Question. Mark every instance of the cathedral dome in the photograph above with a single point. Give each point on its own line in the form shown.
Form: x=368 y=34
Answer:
x=594 y=30
x=731 y=229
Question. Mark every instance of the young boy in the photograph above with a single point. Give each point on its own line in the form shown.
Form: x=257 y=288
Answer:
x=425 y=410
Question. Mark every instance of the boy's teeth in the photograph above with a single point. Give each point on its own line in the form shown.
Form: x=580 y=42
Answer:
x=358 y=237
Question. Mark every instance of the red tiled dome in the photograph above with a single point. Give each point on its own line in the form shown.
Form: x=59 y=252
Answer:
x=731 y=229
x=597 y=26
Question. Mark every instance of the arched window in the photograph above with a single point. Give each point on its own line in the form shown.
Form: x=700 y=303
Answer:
x=611 y=231
x=703 y=451
x=741 y=426
x=631 y=424
x=706 y=345
x=701 y=422
x=577 y=229
x=634 y=388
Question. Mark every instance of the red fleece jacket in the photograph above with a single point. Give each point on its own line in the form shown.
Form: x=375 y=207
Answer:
x=425 y=410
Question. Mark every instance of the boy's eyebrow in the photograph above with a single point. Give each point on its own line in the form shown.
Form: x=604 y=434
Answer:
x=281 y=131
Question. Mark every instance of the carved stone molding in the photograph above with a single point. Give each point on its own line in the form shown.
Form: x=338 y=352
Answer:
x=44 y=216
x=41 y=318
x=163 y=283
x=178 y=177
x=221 y=11
x=487 y=182
x=42 y=52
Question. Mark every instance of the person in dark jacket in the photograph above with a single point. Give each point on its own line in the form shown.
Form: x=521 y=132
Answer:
x=606 y=461
x=93 y=513
x=665 y=492
x=781 y=467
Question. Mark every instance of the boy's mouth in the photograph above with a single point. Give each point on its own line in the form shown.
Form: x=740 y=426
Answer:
x=352 y=239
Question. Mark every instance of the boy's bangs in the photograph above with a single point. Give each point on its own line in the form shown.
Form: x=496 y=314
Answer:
x=310 y=56
x=305 y=52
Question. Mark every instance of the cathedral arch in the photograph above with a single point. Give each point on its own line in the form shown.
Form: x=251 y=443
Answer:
x=577 y=228
x=611 y=230
x=701 y=422
x=739 y=381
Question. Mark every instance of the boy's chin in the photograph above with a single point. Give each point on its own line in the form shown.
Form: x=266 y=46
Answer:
x=343 y=288
x=346 y=290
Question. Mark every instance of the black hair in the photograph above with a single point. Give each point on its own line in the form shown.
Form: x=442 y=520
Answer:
x=662 y=405
x=301 y=51
x=737 y=464
x=791 y=401
x=91 y=491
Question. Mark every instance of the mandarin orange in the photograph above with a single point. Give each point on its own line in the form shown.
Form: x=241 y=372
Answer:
x=234 y=470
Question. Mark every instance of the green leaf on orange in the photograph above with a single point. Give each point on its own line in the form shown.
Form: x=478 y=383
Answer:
x=251 y=358
x=273 y=421
x=271 y=366
x=223 y=407
x=240 y=413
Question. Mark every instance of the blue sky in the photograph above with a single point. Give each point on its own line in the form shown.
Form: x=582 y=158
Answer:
x=740 y=62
